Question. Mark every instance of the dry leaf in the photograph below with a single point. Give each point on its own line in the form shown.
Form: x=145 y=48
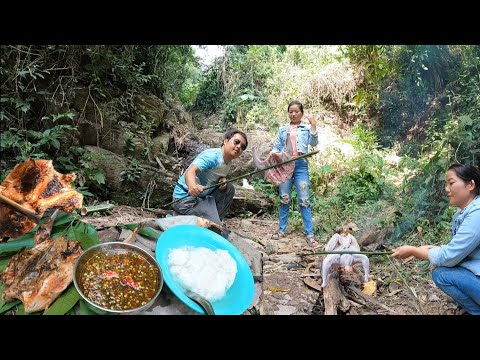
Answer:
x=285 y=250
x=307 y=269
x=274 y=289
x=394 y=292
x=313 y=284
x=369 y=287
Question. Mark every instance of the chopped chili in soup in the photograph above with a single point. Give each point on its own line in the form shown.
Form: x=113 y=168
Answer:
x=119 y=280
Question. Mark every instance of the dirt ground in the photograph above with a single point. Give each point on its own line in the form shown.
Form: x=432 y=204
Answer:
x=293 y=287
x=291 y=283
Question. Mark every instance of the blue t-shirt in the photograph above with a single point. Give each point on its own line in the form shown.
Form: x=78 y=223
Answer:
x=212 y=167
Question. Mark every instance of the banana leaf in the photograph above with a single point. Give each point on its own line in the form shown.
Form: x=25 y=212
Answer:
x=64 y=303
x=59 y=229
x=84 y=309
x=3 y=264
x=146 y=231
x=7 y=306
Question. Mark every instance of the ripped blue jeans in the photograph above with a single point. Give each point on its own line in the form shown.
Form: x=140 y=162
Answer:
x=302 y=184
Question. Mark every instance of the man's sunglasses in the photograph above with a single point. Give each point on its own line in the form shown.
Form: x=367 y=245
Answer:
x=236 y=142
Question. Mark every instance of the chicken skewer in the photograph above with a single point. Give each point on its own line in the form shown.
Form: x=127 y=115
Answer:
x=32 y=215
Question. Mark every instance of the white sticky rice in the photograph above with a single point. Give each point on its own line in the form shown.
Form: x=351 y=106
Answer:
x=208 y=273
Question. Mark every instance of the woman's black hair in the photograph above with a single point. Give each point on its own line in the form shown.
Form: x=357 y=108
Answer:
x=467 y=173
x=230 y=133
x=295 y=102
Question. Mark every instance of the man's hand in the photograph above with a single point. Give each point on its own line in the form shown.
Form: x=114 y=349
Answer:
x=224 y=186
x=195 y=190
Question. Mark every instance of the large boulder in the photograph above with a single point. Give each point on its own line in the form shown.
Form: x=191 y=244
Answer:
x=152 y=109
x=157 y=184
x=249 y=202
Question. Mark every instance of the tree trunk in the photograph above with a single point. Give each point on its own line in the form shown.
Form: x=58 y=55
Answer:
x=333 y=295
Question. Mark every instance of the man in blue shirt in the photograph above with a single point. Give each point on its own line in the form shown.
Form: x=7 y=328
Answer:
x=210 y=167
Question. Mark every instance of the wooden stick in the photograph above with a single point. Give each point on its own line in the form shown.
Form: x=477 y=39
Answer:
x=420 y=307
x=372 y=300
x=247 y=175
x=131 y=237
x=32 y=215
x=348 y=252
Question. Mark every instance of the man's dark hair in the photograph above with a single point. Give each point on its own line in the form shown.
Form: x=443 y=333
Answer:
x=230 y=133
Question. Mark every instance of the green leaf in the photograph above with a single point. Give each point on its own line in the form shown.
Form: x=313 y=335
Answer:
x=7 y=306
x=3 y=265
x=2 y=287
x=64 y=303
x=55 y=143
x=146 y=231
x=326 y=168
x=15 y=245
x=85 y=239
x=466 y=120
x=98 y=177
x=64 y=218
x=84 y=309
x=21 y=310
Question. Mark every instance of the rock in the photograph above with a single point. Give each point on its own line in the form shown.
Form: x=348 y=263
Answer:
x=286 y=258
x=128 y=193
x=253 y=256
x=107 y=235
x=285 y=310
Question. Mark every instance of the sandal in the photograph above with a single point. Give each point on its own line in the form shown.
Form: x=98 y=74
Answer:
x=278 y=235
x=458 y=311
x=311 y=241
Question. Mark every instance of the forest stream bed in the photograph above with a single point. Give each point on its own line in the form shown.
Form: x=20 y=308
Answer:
x=291 y=283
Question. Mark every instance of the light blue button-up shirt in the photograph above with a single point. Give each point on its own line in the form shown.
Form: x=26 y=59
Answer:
x=303 y=134
x=464 y=248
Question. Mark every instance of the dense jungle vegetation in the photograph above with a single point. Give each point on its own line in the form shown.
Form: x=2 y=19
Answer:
x=408 y=112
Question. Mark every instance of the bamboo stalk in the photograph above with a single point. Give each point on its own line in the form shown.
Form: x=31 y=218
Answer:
x=247 y=175
x=420 y=307
x=32 y=215
x=348 y=252
x=100 y=207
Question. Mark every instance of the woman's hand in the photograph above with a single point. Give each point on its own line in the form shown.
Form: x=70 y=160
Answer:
x=311 y=120
x=224 y=186
x=403 y=252
x=195 y=190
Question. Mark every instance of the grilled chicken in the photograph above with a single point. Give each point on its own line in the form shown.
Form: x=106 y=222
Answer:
x=35 y=185
x=39 y=275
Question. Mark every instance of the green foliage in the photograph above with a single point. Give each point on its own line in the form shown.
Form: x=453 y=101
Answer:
x=265 y=187
x=24 y=144
x=132 y=172
x=146 y=231
x=376 y=66
x=210 y=97
x=90 y=172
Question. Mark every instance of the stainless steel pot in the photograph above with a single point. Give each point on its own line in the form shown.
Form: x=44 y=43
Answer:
x=109 y=248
